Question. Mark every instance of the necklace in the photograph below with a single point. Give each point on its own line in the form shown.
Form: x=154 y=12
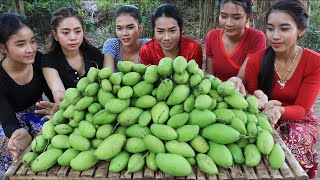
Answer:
x=282 y=80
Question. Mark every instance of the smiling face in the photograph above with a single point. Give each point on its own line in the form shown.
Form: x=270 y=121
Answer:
x=127 y=29
x=282 y=31
x=21 y=47
x=167 y=33
x=232 y=19
x=69 y=33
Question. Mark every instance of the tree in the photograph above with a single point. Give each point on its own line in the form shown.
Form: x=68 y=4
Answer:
x=13 y=6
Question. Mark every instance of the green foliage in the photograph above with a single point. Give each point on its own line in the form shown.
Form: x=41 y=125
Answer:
x=6 y=6
x=107 y=10
x=40 y=12
x=312 y=37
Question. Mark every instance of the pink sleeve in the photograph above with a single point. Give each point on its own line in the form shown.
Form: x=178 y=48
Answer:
x=307 y=95
x=208 y=44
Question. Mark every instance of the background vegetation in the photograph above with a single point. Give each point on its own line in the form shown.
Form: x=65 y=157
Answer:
x=199 y=16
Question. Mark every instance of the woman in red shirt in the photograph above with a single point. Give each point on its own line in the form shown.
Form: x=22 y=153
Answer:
x=290 y=76
x=228 y=48
x=167 y=24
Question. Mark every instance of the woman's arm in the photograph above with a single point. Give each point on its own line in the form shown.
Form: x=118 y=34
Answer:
x=8 y=119
x=307 y=95
x=108 y=61
x=209 y=69
x=18 y=142
x=197 y=55
x=242 y=70
x=55 y=83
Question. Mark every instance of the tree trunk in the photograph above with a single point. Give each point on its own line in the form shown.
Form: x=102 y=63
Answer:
x=308 y=7
x=207 y=16
x=21 y=8
x=14 y=6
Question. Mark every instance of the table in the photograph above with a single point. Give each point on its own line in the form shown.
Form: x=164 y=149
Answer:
x=290 y=170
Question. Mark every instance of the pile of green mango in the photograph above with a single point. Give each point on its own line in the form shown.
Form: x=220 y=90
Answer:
x=167 y=117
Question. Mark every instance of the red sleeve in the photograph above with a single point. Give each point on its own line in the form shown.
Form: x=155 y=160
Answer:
x=144 y=55
x=258 y=42
x=208 y=44
x=252 y=71
x=308 y=91
x=151 y=53
x=198 y=54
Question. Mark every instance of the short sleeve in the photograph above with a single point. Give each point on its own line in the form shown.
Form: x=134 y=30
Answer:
x=198 y=54
x=208 y=45
x=258 y=42
x=111 y=47
x=252 y=73
x=48 y=61
x=145 y=40
x=38 y=59
x=96 y=56
x=144 y=55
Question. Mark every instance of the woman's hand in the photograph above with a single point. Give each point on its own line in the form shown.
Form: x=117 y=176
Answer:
x=274 y=114
x=262 y=98
x=18 y=142
x=48 y=109
x=270 y=104
x=239 y=85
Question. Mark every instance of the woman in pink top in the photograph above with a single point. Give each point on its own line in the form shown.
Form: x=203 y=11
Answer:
x=167 y=26
x=228 y=48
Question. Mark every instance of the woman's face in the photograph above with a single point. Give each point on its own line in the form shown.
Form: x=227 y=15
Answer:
x=232 y=19
x=21 y=47
x=69 y=33
x=282 y=31
x=127 y=29
x=167 y=33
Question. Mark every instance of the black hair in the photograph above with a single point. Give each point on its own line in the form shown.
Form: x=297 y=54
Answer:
x=166 y=10
x=245 y=4
x=131 y=11
x=56 y=19
x=10 y=24
x=296 y=10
